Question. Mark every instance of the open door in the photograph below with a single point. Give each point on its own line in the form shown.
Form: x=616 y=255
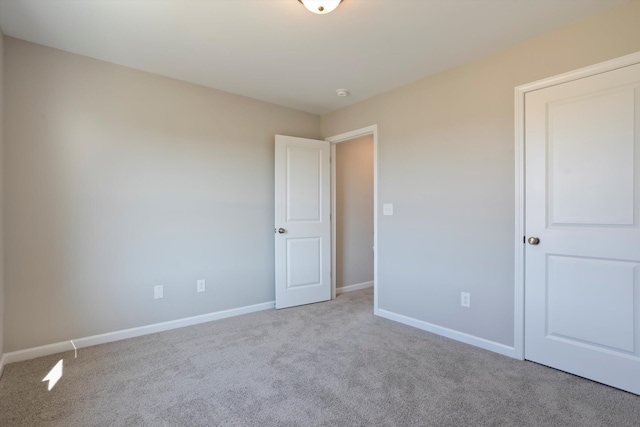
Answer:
x=582 y=265
x=302 y=221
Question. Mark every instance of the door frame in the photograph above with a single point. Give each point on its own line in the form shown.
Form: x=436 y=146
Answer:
x=520 y=93
x=336 y=139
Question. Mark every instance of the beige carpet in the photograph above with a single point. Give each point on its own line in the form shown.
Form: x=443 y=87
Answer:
x=325 y=364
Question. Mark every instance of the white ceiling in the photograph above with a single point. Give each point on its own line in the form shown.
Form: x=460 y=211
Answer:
x=277 y=51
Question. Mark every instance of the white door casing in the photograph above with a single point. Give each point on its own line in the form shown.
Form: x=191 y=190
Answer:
x=302 y=221
x=336 y=139
x=582 y=190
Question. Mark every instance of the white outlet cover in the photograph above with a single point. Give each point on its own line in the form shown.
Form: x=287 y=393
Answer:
x=465 y=299
x=200 y=285
x=158 y=292
x=387 y=209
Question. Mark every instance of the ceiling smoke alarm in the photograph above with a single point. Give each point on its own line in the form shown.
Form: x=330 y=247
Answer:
x=342 y=92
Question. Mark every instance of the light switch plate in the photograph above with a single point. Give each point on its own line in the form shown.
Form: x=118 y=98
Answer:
x=158 y=292
x=387 y=209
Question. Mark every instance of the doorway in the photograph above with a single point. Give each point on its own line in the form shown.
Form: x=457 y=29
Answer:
x=354 y=214
x=354 y=211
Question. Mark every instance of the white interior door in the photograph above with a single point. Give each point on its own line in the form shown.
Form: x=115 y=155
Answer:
x=302 y=223
x=582 y=280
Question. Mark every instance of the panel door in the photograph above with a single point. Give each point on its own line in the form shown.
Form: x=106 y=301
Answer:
x=302 y=221
x=582 y=280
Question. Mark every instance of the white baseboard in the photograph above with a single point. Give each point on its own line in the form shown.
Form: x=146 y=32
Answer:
x=450 y=333
x=45 y=350
x=355 y=287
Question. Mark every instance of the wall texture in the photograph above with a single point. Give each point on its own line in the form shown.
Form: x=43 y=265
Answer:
x=446 y=161
x=1 y=195
x=117 y=180
x=354 y=211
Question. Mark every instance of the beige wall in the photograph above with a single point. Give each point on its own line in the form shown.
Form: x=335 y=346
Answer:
x=1 y=197
x=446 y=161
x=354 y=212
x=117 y=180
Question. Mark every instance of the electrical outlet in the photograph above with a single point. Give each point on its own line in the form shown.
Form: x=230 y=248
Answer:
x=158 y=292
x=200 y=285
x=387 y=209
x=465 y=299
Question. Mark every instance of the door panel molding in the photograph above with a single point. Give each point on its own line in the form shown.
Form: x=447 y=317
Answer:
x=519 y=245
x=302 y=221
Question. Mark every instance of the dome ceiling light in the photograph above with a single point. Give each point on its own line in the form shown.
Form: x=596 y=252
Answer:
x=321 y=7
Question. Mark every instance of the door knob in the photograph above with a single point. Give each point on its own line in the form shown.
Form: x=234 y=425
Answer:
x=533 y=240
x=281 y=230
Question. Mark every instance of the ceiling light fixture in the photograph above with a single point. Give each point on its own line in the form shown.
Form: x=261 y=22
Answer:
x=342 y=92
x=321 y=7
